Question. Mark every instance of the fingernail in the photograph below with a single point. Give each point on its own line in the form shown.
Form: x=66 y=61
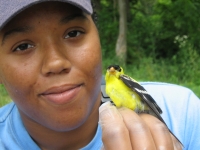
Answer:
x=104 y=106
x=108 y=113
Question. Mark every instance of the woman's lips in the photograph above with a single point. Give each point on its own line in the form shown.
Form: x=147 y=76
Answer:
x=62 y=94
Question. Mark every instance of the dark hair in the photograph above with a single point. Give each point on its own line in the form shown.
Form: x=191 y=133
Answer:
x=94 y=14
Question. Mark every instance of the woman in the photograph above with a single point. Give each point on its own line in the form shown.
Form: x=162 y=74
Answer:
x=50 y=64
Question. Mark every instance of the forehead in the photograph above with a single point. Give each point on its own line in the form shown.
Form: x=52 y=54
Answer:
x=47 y=9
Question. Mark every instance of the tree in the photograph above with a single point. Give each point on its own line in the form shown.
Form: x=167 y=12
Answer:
x=121 y=45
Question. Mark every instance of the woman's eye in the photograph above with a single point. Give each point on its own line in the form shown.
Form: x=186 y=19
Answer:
x=23 y=47
x=73 y=34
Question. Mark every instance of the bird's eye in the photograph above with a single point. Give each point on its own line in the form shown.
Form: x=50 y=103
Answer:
x=117 y=67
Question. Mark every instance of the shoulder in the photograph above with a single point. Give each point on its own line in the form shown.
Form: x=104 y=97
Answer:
x=180 y=110
x=162 y=86
x=169 y=92
x=173 y=98
x=5 y=111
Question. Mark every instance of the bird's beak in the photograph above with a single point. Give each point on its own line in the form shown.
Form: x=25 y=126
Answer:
x=112 y=70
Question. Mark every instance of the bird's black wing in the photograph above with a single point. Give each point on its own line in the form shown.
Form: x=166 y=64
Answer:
x=140 y=90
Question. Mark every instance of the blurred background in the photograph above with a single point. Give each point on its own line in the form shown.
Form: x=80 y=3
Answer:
x=153 y=40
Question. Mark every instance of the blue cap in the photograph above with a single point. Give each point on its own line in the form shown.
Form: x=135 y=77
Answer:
x=10 y=8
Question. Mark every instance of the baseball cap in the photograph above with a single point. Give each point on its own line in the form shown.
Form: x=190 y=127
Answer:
x=10 y=8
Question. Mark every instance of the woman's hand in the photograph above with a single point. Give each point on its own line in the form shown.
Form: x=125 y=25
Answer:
x=123 y=129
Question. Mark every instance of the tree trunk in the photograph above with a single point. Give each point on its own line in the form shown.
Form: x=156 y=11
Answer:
x=121 y=45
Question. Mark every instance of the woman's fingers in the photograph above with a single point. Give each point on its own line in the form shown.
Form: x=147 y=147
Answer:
x=115 y=134
x=139 y=132
x=159 y=132
x=176 y=143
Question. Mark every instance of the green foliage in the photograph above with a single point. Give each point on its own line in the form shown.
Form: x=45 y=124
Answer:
x=108 y=28
x=187 y=61
x=180 y=17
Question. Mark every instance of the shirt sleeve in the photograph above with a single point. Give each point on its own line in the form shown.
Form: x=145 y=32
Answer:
x=181 y=111
x=192 y=123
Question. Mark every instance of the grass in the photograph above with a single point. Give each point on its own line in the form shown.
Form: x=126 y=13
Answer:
x=4 y=98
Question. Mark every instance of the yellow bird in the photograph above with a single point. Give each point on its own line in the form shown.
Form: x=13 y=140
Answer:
x=125 y=91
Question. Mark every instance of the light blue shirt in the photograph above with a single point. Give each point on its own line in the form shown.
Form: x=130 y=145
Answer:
x=181 y=112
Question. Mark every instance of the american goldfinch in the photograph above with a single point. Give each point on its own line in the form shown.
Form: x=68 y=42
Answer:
x=125 y=91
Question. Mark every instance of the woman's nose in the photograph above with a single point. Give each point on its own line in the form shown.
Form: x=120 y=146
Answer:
x=55 y=61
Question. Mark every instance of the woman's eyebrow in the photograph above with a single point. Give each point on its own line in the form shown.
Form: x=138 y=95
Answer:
x=14 y=31
x=72 y=17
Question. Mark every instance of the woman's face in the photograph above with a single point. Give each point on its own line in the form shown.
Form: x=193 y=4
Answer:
x=50 y=64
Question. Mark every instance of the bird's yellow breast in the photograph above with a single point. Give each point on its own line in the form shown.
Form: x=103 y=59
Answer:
x=122 y=95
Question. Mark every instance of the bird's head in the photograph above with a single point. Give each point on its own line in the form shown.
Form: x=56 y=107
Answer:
x=114 y=70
